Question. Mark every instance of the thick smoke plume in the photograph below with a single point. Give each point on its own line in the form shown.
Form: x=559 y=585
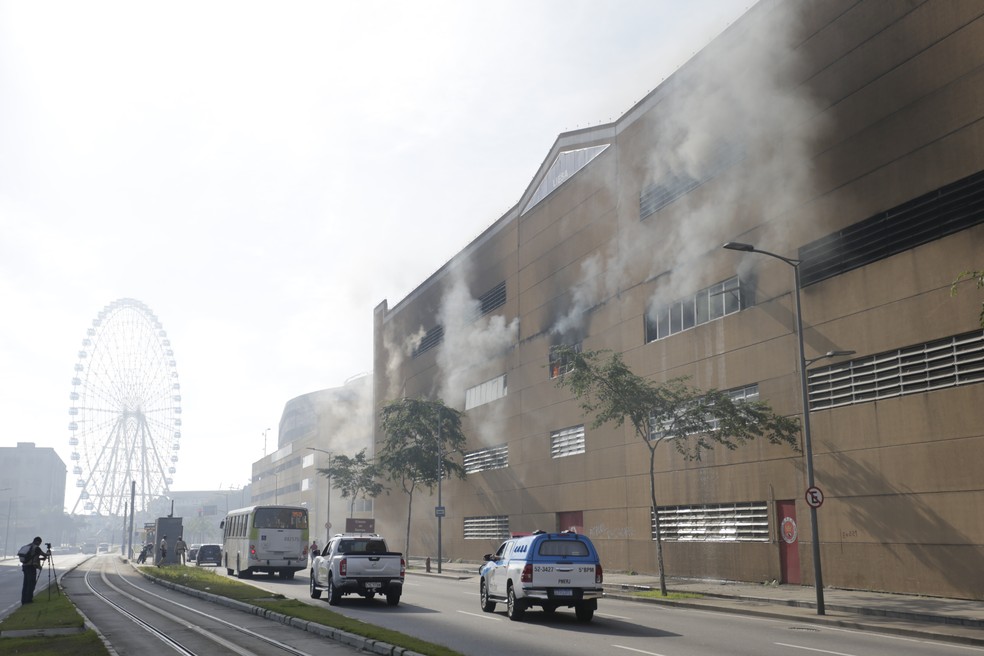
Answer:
x=732 y=115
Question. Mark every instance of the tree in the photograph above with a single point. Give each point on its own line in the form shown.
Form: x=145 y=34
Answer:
x=691 y=419
x=355 y=477
x=418 y=449
x=979 y=275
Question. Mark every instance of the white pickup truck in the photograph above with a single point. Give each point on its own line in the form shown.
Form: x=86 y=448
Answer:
x=358 y=564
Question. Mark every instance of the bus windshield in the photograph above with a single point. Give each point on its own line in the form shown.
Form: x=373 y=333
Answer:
x=280 y=518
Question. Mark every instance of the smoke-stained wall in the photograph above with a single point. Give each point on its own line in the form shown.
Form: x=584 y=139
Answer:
x=803 y=127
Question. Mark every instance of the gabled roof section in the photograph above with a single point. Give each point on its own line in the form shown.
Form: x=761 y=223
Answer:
x=565 y=166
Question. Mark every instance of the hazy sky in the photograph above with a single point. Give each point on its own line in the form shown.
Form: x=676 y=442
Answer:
x=262 y=175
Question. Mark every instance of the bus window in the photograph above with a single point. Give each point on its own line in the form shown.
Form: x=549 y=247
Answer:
x=280 y=518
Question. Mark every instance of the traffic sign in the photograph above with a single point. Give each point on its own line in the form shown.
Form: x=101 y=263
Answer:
x=814 y=497
x=439 y=511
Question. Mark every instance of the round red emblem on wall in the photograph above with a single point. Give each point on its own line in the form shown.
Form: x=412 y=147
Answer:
x=788 y=528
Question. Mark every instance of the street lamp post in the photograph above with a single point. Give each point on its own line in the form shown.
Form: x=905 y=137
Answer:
x=6 y=532
x=804 y=391
x=328 y=513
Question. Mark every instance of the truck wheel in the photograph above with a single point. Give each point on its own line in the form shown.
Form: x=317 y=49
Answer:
x=515 y=608
x=315 y=591
x=584 y=611
x=334 y=594
x=487 y=604
x=392 y=598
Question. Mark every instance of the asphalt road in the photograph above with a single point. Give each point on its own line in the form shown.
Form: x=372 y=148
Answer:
x=446 y=611
x=12 y=578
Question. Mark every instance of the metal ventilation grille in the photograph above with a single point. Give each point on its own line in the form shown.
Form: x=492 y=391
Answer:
x=949 y=362
x=949 y=209
x=567 y=442
x=433 y=337
x=729 y=522
x=494 y=527
x=494 y=457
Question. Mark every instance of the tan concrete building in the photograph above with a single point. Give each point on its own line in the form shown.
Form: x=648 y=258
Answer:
x=846 y=135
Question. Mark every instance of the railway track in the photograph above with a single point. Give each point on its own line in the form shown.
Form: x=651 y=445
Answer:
x=139 y=618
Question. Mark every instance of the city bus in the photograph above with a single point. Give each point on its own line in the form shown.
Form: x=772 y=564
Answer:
x=267 y=539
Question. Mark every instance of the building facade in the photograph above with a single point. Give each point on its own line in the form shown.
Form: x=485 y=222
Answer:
x=315 y=427
x=32 y=495
x=845 y=135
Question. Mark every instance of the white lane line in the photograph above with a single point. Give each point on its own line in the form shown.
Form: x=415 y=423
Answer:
x=638 y=651
x=617 y=617
x=484 y=617
x=822 y=651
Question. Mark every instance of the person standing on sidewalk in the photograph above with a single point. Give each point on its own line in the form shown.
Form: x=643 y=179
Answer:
x=163 y=550
x=180 y=547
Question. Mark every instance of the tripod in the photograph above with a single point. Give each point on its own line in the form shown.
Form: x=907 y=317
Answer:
x=52 y=574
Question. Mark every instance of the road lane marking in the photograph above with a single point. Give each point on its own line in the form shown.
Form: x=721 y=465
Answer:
x=822 y=651
x=638 y=651
x=484 y=617
x=617 y=617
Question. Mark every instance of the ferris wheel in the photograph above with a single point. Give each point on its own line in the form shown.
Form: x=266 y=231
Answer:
x=125 y=411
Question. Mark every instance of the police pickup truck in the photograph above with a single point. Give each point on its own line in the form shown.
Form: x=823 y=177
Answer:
x=549 y=570
x=358 y=564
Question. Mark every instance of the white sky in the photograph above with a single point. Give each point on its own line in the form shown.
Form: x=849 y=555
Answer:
x=263 y=174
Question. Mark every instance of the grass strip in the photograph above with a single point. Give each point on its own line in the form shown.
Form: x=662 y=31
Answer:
x=83 y=644
x=656 y=594
x=54 y=611
x=209 y=581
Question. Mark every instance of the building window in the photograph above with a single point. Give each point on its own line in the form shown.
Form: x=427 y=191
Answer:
x=567 y=442
x=493 y=299
x=934 y=215
x=493 y=527
x=676 y=184
x=560 y=361
x=726 y=522
x=706 y=305
x=494 y=457
x=361 y=505
x=486 y=392
x=749 y=393
x=432 y=338
x=949 y=362
x=563 y=168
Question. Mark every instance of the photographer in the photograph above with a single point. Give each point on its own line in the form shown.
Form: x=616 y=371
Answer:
x=32 y=556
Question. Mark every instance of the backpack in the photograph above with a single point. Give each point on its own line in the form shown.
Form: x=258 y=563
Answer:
x=24 y=553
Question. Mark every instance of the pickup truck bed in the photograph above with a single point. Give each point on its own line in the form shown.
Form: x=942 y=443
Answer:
x=355 y=564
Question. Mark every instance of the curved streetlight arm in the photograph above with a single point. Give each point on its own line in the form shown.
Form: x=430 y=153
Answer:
x=748 y=248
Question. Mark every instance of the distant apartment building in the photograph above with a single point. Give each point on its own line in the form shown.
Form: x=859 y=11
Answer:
x=32 y=494
x=846 y=136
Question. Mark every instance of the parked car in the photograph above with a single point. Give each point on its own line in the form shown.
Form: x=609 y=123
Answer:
x=209 y=554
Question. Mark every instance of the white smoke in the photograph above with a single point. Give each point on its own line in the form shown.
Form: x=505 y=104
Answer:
x=471 y=341
x=735 y=99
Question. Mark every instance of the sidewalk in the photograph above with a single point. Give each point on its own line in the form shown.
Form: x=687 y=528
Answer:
x=930 y=618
